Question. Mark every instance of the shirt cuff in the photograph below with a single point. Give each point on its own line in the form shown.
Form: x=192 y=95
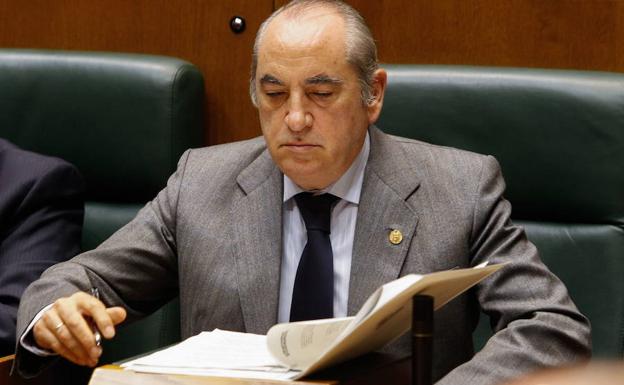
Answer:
x=27 y=340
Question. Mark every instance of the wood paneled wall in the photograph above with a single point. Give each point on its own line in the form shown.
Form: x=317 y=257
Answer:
x=194 y=30
x=580 y=34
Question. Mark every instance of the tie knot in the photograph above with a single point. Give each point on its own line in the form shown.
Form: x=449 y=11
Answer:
x=316 y=210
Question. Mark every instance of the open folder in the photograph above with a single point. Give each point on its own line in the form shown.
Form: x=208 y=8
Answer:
x=294 y=350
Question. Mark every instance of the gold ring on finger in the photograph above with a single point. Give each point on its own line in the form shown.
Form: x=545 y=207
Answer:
x=59 y=326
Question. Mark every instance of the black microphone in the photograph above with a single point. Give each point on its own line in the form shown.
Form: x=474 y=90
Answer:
x=422 y=339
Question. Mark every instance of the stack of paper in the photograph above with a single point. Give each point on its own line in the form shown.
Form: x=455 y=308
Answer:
x=217 y=353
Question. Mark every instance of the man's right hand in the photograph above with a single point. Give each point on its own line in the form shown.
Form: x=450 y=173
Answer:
x=65 y=330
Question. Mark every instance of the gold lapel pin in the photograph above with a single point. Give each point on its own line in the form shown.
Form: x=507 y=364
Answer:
x=395 y=237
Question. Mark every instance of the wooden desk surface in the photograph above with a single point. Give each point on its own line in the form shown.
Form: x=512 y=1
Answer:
x=5 y=367
x=371 y=369
x=114 y=375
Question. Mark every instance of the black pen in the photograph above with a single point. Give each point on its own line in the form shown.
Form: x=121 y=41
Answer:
x=98 y=337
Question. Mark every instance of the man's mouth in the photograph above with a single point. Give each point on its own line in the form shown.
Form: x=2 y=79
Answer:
x=300 y=146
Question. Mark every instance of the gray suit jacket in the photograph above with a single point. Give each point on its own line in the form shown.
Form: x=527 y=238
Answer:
x=214 y=234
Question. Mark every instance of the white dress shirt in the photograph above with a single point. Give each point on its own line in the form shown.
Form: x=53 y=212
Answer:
x=343 y=218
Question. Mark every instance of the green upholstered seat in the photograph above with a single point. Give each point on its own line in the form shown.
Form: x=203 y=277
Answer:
x=559 y=137
x=123 y=120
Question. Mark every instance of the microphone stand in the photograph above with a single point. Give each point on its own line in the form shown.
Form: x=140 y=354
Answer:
x=422 y=339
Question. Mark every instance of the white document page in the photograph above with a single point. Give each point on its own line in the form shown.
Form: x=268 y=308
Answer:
x=297 y=344
x=216 y=353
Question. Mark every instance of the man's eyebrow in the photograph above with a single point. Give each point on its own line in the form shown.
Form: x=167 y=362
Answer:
x=270 y=79
x=323 y=79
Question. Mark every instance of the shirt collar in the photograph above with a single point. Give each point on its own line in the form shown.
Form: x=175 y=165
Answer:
x=348 y=187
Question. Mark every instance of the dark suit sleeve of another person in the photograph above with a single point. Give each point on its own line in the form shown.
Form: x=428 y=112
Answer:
x=135 y=268
x=41 y=214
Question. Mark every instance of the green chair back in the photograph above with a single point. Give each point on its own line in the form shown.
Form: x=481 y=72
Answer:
x=123 y=120
x=559 y=137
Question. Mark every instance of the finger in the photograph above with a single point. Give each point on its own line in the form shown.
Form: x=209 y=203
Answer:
x=48 y=340
x=63 y=340
x=40 y=333
x=97 y=311
x=117 y=314
x=78 y=329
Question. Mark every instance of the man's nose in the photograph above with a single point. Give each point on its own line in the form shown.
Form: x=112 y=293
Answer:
x=298 y=117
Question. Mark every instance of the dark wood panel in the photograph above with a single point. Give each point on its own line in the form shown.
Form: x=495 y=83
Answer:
x=618 y=45
x=194 y=30
x=581 y=34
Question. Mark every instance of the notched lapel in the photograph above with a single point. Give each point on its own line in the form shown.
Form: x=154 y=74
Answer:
x=384 y=206
x=257 y=213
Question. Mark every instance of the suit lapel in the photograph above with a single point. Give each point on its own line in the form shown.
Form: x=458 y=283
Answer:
x=388 y=183
x=257 y=213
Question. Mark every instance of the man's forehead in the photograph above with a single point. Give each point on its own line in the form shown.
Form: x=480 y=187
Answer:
x=308 y=20
x=316 y=28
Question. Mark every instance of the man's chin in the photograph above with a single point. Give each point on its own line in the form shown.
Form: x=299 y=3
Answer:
x=308 y=178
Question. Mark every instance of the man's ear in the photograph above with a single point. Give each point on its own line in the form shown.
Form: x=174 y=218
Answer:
x=380 y=78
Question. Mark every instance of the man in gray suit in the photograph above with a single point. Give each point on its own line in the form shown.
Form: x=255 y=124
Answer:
x=228 y=228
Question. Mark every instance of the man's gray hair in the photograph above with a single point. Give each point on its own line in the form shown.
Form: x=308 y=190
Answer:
x=361 y=51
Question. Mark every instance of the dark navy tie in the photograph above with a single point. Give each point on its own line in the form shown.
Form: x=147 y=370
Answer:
x=313 y=293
